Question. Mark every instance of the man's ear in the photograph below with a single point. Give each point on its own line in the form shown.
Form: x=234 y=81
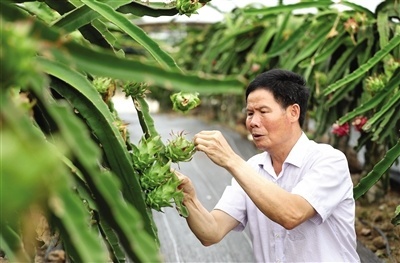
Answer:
x=294 y=112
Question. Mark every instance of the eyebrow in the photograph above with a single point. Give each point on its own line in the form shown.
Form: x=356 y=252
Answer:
x=260 y=108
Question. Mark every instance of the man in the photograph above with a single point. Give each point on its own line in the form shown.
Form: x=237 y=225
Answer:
x=296 y=196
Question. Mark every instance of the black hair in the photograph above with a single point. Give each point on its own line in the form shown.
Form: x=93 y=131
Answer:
x=286 y=87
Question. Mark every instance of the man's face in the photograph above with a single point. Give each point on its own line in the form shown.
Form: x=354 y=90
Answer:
x=267 y=121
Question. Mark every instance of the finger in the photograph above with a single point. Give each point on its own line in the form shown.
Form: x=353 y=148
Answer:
x=206 y=134
x=200 y=144
x=200 y=148
x=181 y=177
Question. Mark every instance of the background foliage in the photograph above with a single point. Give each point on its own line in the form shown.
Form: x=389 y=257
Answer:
x=350 y=59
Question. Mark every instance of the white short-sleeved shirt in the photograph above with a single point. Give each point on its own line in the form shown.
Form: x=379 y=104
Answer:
x=320 y=174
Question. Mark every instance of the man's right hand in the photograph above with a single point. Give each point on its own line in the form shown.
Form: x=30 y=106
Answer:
x=186 y=186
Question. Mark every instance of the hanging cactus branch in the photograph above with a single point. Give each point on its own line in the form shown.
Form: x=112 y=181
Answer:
x=137 y=91
x=152 y=158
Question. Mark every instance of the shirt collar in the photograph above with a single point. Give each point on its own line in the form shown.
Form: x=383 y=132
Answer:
x=295 y=156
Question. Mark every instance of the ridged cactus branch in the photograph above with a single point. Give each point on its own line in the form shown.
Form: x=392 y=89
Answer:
x=145 y=119
x=137 y=91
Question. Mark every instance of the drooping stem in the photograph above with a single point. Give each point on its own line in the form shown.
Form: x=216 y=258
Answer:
x=145 y=119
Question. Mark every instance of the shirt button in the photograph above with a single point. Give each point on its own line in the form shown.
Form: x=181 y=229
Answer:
x=277 y=235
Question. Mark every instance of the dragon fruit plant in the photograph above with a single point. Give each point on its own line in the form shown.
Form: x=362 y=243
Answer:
x=152 y=159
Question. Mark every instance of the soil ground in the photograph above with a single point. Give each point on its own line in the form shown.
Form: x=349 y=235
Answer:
x=373 y=226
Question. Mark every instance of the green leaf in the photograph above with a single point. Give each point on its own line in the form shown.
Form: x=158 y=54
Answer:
x=74 y=221
x=342 y=64
x=144 y=116
x=43 y=179
x=310 y=47
x=337 y=97
x=103 y=30
x=388 y=126
x=383 y=28
x=358 y=8
x=133 y=31
x=83 y=15
x=358 y=73
x=114 y=246
x=101 y=62
x=293 y=40
x=278 y=39
x=154 y=9
x=140 y=245
x=11 y=244
x=287 y=8
x=326 y=52
x=376 y=100
x=108 y=65
x=379 y=169
x=391 y=104
x=88 y=102
x=382 y=124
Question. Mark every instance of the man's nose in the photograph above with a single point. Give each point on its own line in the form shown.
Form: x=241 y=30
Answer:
x=255 y=121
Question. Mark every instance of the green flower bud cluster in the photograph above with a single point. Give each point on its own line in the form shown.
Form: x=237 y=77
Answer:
x=188 y=7
x=102 y=84
x=152 y=160
x=391 y=65
x=146 y=153
x=135 y=89
x=164 y=195
x=374 y=84
x=17 y=54
x=106 y=87
x=157 y=174
x=184 y=101
x=180 y=149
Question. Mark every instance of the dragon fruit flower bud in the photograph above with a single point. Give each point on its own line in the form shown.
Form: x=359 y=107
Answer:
x=180 y=149
x=188 y=7
x=351 y=25
x=341 y=130
x=163 y=195
x=103 y=85
x=135 y=89
x=184 y=102
x=359 y=122
x=374 y=84
x=157 y=174
x=146 y=152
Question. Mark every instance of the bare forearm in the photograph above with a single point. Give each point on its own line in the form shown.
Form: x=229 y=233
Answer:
x=201 y=222
x=284 y=208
